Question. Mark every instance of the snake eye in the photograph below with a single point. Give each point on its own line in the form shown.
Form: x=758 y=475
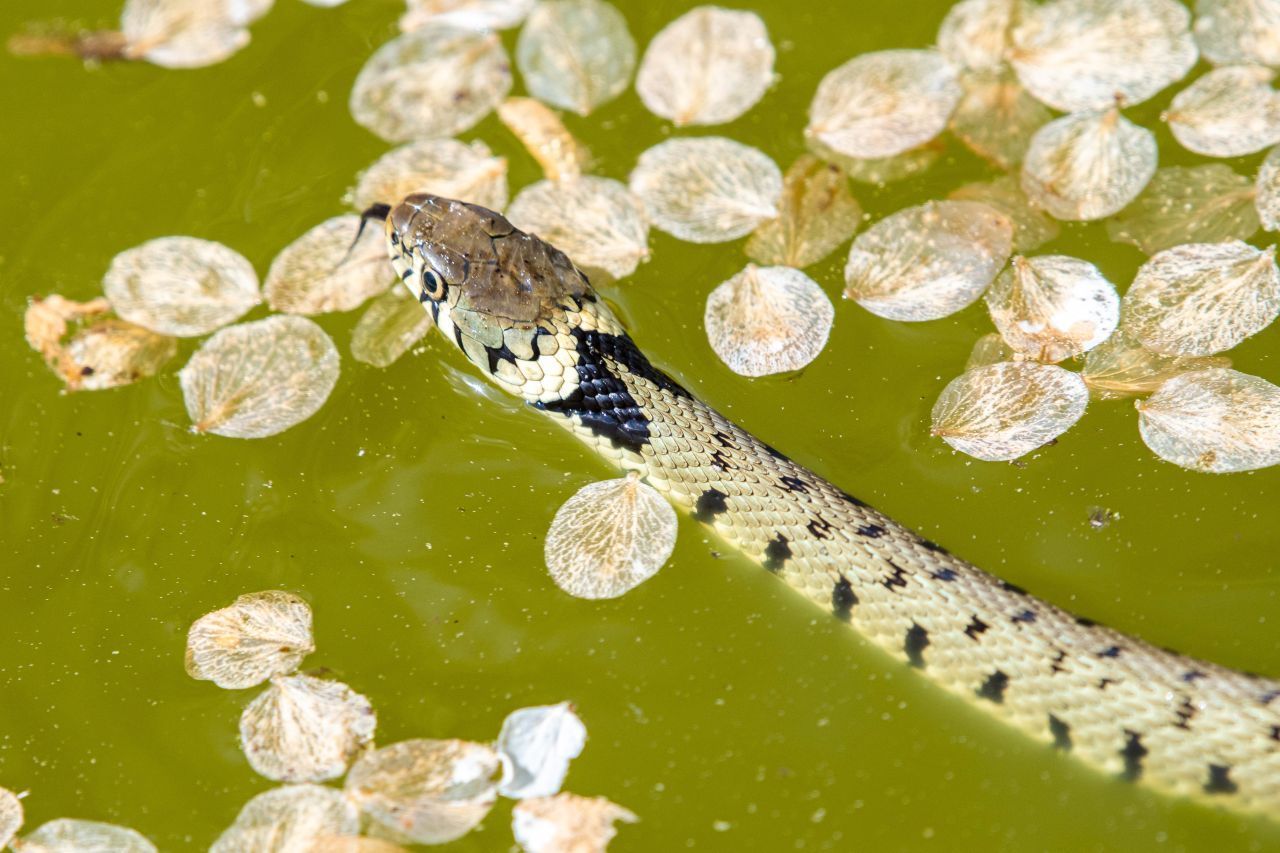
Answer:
x=432 y=286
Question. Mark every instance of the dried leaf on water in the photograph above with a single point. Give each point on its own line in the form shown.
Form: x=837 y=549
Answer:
x=429 y=791
x=391 y=324
x=990 y=349
x=996 y=118
x=567 y=823
x=261 y=635
x=536 y=745
x=181 y=286
x=818 y=213
x=609 y=538
x=709 y=66
x=304 y=729
x=1077 y=55
x=1217 y=420
x=544 y=135
x=1202 y=298
x=11 y=816
x=975 y=33
x=1122 y=367
x=881 y=171
x=1053 y=307
x=1003 y=411
x=324 y=271
x=1238 y=32
x=353 y=844
x=707 y=189
x=477 y=15
x=66 y=835
x=1229 y=112
x=1267 y=191
x=443 y=167
x=1032 y=227
x=102 y=352
x=257 y=379
x=435 y=81
x=768 y=320
x=1088 y=165
x=595 y=221
x=186 y=33
x=1199 y=204
x=289 y=819
x=576 y=54
x=884 y=103
x=928 y=261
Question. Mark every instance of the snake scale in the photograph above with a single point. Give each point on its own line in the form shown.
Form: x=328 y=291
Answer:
x=521 y=311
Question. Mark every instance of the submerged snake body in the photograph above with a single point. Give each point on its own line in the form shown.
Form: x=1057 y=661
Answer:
x=521 y=311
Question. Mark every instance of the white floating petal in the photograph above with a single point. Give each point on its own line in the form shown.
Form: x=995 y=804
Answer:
x=707 y=189
x=260 y=635
x=428 y=791
x=1003 y=411
x=443 y=167
x=1088 y=165
x=709 y=66
x=1239 y=32
x=990 y=349
x=1053 y=307
x=1267 y=191
x=609 y=538
x=466 y=14
x=65 y=835
x=880 y=171
x=1078 y=55
x=768 y=320
x=818 y=213
x=576 y=54
x=927 y=261
x=975 y=33
x=390 y=325
x=324 y=271
x=996 y=118
x=289 y=819
x=1032 y=227
x=567 y=823
x=11 y=816
x=257 y=379
x=181 y=286
x=1122 y=367
x=1216 y=420
x=536 y=745
x=435 y=81
x=183 y=33
x=1228 y=112
x=884 y=103
x=545 y=137
x=1199 y=204
x=1202 y=298
x=304 y=729
x=597 y=222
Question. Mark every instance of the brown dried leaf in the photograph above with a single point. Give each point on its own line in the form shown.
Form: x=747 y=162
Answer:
x=768 y=320
x=1229 y=112
x=323 y=270
x=1217 y=420
x=818 y=213
x=596 y=221
x=990 y=349
x=576 y=54
x=1267 y=191
x=65 y=835
x=477 y=15
x=102 y=353
x=975 y=33
x=567 y=823
x=304 y=729
x=544 y=135
x=997 y=118
x=443 y=167
x=1238 y=32
x=289 y=819
x=1122 y=367
x=1053 y=307
x=261 y=635
x=11 y=816
x=391 y=324
x=1032 y=227
x=1200 y=204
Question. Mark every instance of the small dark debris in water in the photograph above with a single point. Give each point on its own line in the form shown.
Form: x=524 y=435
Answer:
x=1100 y=517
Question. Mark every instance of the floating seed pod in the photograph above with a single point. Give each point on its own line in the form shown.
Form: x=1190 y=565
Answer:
x=289 y=819
x=11 y=816
x=1228 y=112
x=1267 y=191
x=709 y=66
x=261 y=635
x=477 y=15
x=1088 y=55
x=883 y=103
x=443 y=167
x=545 y=137
x=596 y=221
x=304 y=729
x=1053 y=307
x=187 y=33
x=181 y=286
x=392 y=323
x=536 y=745
x=1238 y=32
x=975 y=33
x=1122 y=367
x=926 y=262
x=768 y=320
x=567 y=823
x=1217 y=420
x=576 y=54
x=1200 y=204
x=996 y=118
x=435 y=81
x=1032 y=228
x=1202 y=298
x=257 y=379
x=323 y=270
x=609 y=538
x=1088 y=165
x=65 y=835
x=1003 y=411
x=990 y=349
x=817 y=214
x=708 y=189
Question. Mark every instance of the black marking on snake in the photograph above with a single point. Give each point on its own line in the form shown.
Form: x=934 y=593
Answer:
x=457 y=335
x=897 y=579
x=1104 y=683
x=722 y=439
x=1055 y=666
x=1192 y=674
x=975 y=627
x=1061 y=734
x=930 y=545
x=1026 y=616
x=1220 y=780
x=916 y=641
x=1011 y=587
x=1268 y=697
x=496 y=354
x=843 y=599
x=1186 y=712
x=423 y=296
x=945 y=575
x=871 y=531
x=848 y=498
x=777 y=552
x=435 y=313
x=1133 y=753
x=710 y=503
x=1084 y=622
x=820 y=528
x=1275 y=732
x=1110 y=652
x=993 y=688
x=775 y=452
x=794 y=484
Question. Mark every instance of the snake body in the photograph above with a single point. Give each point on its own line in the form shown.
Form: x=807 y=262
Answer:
x=523 y=313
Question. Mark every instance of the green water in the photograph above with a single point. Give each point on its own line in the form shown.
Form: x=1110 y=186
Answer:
x=725 y=711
